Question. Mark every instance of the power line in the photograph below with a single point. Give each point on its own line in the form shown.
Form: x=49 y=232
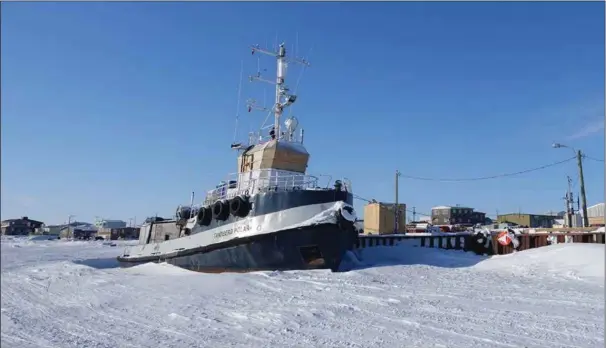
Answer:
x=593 y=159
x=576 y=181
x=492 y=176
x=469 y=179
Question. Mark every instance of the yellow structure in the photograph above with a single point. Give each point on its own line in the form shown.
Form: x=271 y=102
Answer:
x=530 y=220
x=596 y=221
x=379 y=218
x=274 y=155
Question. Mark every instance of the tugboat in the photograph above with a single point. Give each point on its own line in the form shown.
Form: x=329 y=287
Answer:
x=270 y=215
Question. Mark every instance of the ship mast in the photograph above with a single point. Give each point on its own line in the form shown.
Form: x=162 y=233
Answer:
x=283 y=98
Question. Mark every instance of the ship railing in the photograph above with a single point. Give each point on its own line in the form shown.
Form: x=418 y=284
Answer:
x=267 y=184
x=282 y=182
x=347 y=185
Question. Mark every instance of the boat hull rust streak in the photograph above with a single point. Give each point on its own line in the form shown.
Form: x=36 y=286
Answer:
x=304 y=237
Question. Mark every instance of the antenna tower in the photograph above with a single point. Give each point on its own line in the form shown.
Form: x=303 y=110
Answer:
x=283 y=97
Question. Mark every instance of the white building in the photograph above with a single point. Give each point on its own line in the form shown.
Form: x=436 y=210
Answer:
x=595 y=214
x=559 y=223
x=54 y=230
x=110 y=224
x=596 y=210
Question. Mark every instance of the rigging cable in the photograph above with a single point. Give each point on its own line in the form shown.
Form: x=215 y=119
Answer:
x=299 y=78
x=238 y=103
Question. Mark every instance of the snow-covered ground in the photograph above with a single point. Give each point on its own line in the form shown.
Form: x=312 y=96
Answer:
x=70 y=294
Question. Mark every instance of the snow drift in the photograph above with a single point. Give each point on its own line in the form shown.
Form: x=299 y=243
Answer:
x=67 y=294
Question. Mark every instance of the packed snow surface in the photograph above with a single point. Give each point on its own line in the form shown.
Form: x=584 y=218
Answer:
x=71 y=294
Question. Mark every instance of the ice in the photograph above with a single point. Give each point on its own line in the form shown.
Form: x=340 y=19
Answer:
x=71 y=294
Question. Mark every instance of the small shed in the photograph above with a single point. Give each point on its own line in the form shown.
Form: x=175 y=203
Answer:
x=380 y=218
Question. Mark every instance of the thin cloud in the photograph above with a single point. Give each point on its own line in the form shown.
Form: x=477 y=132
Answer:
x=587 y=130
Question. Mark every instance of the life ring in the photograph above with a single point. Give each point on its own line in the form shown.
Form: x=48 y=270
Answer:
x=221 y=210
x=239 y=206
x=205 y=216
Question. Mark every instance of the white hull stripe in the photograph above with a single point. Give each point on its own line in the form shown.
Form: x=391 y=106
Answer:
x=251 y=226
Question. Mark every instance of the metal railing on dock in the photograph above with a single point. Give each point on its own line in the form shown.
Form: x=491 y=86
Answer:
x=479 y=243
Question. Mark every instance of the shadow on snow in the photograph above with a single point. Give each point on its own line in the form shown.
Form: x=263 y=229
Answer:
x=100 y=263
x=404 y=255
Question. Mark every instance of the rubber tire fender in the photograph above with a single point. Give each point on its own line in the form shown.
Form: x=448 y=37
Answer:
x=205 y=216
x=221 y=210
x=239 y=206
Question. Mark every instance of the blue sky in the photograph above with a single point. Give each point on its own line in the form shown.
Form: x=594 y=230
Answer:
x=122 y=109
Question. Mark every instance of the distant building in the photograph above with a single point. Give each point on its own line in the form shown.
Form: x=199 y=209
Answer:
x=528 y=220
x=21 y=227
x=447 y=215
x=53 y=230
x=500 y=226
x=119 y=233
x=77 y=230
x=559 y=223
x=110 y=224
x=83 y=234
x=595 y=215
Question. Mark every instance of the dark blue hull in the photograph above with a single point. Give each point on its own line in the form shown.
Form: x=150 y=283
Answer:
x=276 y=201
x=310 y=247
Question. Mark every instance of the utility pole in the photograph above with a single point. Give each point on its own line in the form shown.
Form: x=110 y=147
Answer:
x=397 y=206
x=69 y=223
x=579 y=156
x=582 y=183
x=414 y=214
x=569 y=200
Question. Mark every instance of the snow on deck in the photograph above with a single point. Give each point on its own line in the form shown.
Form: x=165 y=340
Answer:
x=70 y=294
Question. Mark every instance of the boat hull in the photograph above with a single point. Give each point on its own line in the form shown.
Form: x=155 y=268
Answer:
x=319 y=246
